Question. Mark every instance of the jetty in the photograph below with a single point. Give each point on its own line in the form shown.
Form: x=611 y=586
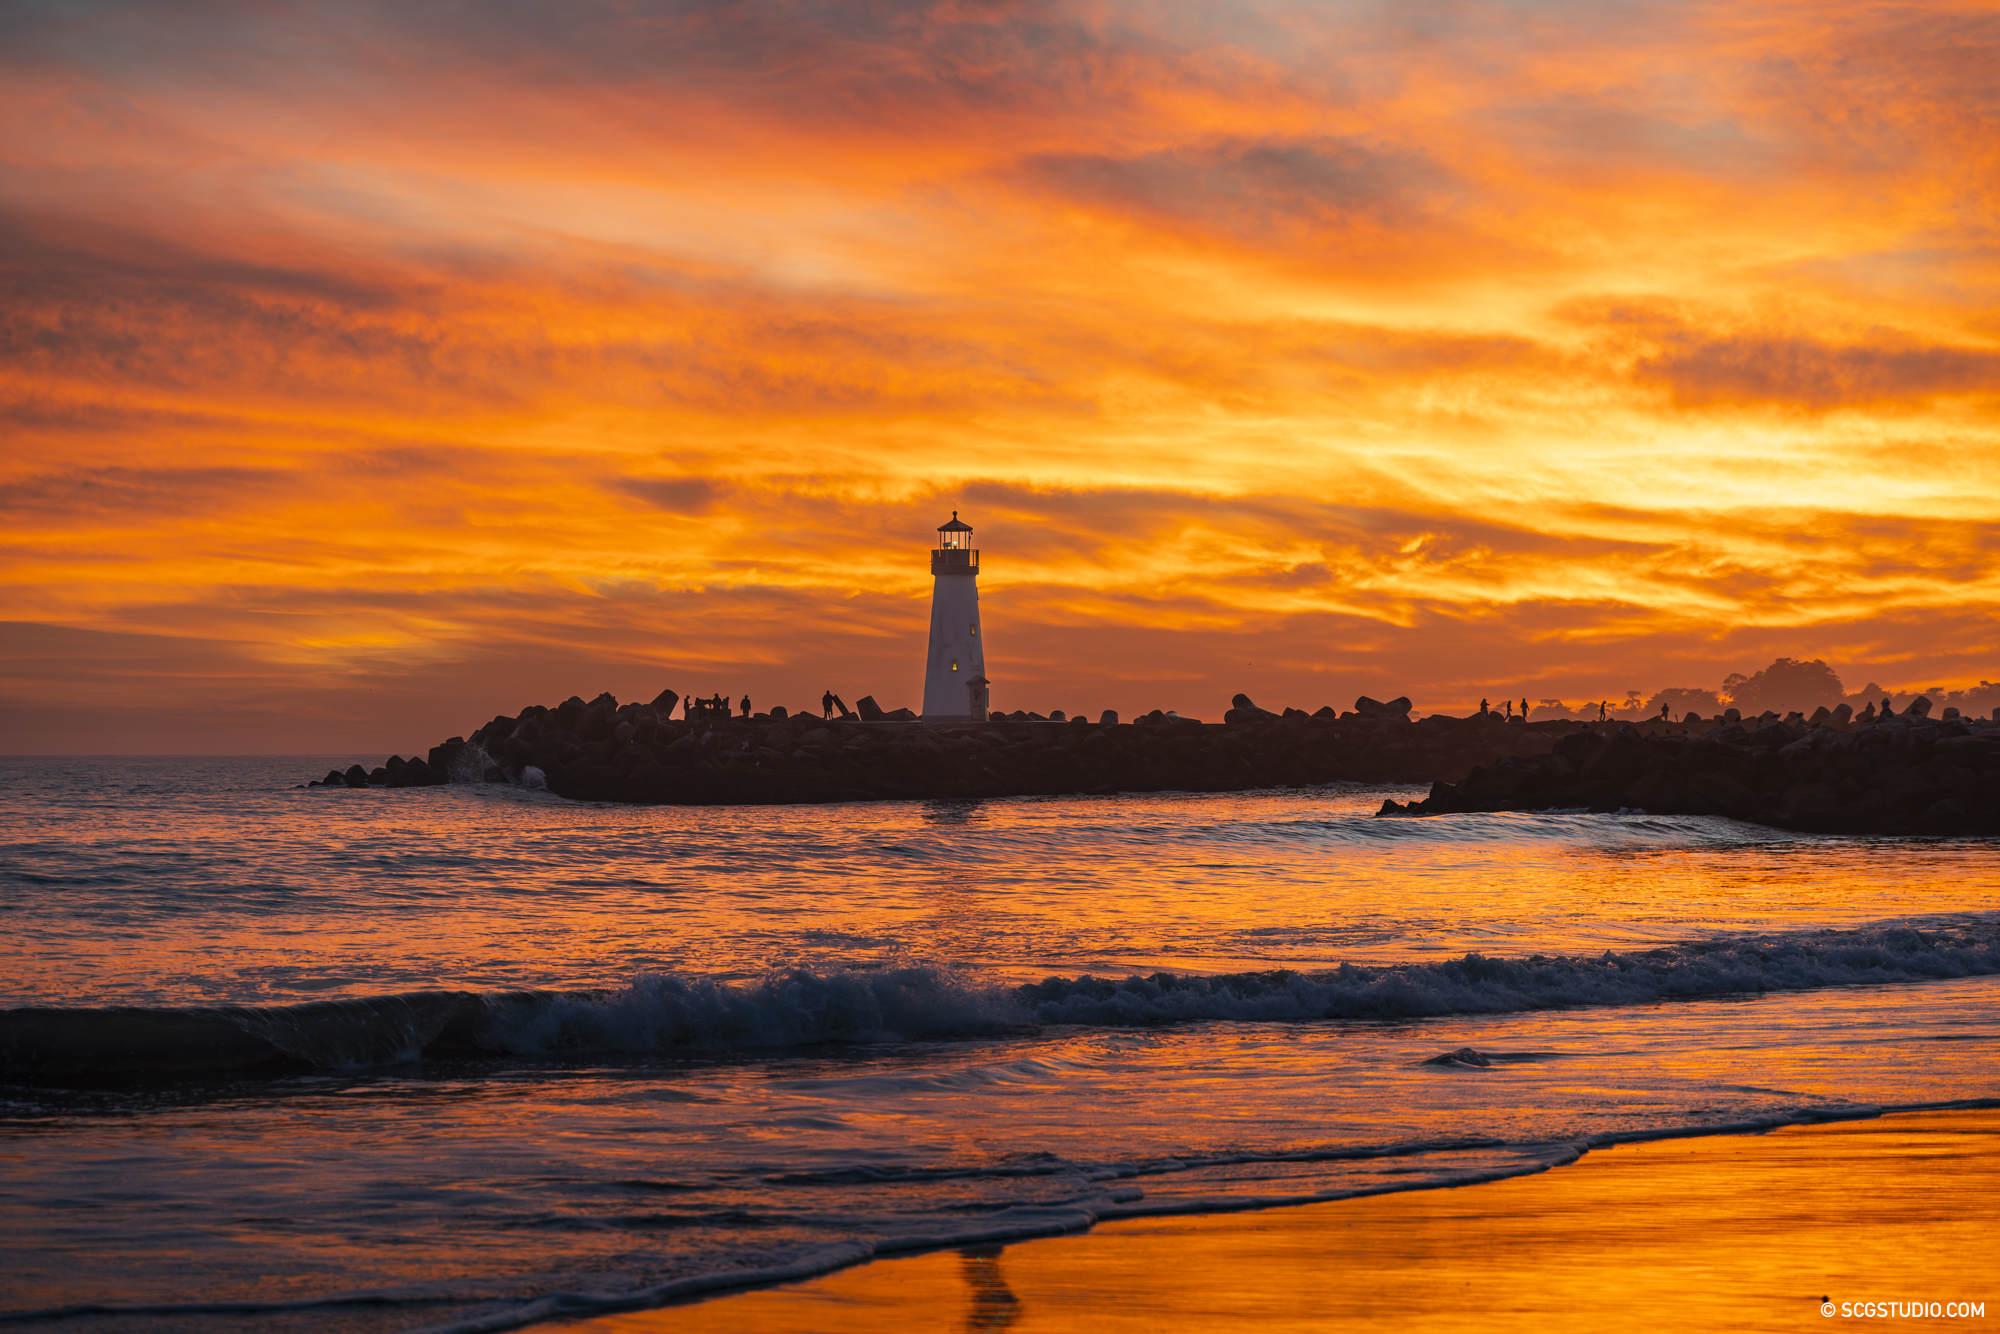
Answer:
x=1904 y=774
x=1899 y=774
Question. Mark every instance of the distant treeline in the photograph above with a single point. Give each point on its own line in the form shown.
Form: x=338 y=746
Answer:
x=1784 y=686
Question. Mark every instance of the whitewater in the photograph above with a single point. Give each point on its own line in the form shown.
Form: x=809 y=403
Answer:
x=471 y=1057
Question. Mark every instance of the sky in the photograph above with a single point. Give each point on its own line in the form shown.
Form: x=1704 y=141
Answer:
x=369 y=370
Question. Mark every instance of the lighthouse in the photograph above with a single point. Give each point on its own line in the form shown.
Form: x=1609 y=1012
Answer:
x=955 y=671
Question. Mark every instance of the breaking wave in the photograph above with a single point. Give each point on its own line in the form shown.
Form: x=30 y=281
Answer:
x=666 y=1013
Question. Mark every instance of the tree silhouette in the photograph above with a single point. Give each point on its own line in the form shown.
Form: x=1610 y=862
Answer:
x=1785 y=685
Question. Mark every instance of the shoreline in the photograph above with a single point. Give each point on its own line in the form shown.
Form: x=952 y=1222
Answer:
x=1678 y=1199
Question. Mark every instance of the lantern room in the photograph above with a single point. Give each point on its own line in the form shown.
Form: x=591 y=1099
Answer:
x=955 y=553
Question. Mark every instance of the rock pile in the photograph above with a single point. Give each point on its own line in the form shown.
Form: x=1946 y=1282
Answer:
x=607 y=751
x=1902 y=774
x=1893 y=775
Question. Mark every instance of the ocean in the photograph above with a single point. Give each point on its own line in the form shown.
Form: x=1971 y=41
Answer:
x=706 y=1047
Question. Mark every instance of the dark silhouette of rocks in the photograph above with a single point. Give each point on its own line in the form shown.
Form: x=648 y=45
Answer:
x=1900 y=774
x=604 y=751
x=1904 y=773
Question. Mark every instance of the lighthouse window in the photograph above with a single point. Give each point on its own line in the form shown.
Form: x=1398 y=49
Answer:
x=975 y=629
x=954 y=664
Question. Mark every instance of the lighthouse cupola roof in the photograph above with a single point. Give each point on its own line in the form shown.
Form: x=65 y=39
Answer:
x=956 y=535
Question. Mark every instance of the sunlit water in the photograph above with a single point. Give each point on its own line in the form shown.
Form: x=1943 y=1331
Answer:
x=788 y=1037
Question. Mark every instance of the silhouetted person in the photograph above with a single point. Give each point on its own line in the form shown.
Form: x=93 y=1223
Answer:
x=1483 y=710
x=1663 y=713
x=1887 y=712
x=1524 y=708
x=1510 y=708
x=746 y=706
x=1602 y=715
x=826 y=705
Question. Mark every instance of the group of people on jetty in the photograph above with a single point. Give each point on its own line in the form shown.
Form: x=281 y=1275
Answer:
x=717 y=706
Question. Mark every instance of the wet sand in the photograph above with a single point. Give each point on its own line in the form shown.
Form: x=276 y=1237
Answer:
x=1725 y=1232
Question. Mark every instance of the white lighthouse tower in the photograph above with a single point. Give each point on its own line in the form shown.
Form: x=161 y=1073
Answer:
x=955 y=672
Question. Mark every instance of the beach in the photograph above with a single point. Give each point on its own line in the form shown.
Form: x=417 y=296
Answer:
x=1749 y=1232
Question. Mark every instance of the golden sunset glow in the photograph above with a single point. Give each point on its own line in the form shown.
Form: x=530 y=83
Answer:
x=370 y=371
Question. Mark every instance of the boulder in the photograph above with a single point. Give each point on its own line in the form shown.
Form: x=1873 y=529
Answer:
x=1810 y=798
x=1773 y=736
x=870 y=711
x=1716 y=793
x=356 y=776
x=1661 y=792
x=414 y=773
x=1375 y=708
x=665 y=702
x=1109 y=718
x=1621 y=760
x=1944 y=816
x=1577 y=747
x=1920 y=707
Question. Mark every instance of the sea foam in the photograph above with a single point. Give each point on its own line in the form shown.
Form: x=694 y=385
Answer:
x=665 y=1013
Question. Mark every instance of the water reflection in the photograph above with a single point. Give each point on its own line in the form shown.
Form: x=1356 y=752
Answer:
x=210 y=892
x=994 y=1305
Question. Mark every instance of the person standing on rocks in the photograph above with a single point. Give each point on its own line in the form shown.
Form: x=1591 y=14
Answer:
x=826 y=705
x=1524 y=708
x=746 y=706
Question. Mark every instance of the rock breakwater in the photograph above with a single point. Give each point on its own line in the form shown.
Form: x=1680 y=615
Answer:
x=607 y=751
x=1903 y=774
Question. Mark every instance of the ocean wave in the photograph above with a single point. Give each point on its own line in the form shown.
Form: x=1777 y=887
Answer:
x=1476 y=984
x=1511 y=828
x=668 y=1013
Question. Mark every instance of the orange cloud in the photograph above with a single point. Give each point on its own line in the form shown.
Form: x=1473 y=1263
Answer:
x=1453 y=350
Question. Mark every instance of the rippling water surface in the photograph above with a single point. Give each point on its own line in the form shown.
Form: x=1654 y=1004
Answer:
x=776 y=1038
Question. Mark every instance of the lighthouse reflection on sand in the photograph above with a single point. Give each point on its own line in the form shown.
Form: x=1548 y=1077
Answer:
x=955 y=681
